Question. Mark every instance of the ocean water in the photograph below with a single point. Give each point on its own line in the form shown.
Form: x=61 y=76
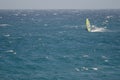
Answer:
x=54 y=45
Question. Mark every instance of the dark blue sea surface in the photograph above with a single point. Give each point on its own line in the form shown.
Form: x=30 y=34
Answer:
x=55 y=45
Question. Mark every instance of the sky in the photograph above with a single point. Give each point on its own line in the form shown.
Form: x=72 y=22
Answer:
x=59 y=4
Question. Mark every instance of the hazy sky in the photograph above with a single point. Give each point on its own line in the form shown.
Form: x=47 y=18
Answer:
x=59 y=4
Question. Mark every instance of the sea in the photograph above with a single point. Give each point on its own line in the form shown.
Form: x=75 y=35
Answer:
x=55 y=45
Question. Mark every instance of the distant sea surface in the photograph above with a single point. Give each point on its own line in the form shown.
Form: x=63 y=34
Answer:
x=55 y=45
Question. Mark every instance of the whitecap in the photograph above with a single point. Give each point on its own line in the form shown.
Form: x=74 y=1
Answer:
x=45 y=24
x=70 y=26
x=85 y=56
x=16 y=14
x=98 y=29
x=108 y=17
x=54 y=14
x=11 y=51
x=39 y=39
x=4 y=25
x=37 y=14
x=77 y=69
x=106 y=60
x=95 y=68
x=14 y=53
x=106 y=21
x=84 y=68
x=7 y=35
x=32 y=19
x=104 y=57
x=10 y=41
x=24 y=14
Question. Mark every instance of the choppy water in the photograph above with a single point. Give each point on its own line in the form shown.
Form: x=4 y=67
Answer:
x=54 y=45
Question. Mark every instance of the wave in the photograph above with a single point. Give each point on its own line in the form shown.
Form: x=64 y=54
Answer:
x=11 y=51
x=4 y=25
x=1 y=17
x=99 y=29
x=7 y=35
x=70 y=26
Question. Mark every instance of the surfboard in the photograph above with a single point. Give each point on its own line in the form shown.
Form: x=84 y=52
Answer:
x=88 y=26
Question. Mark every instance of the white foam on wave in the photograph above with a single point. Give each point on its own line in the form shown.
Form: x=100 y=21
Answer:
x=105 y=22
x=47 y=57
x=54 y=14
x=95 y=68
x=85 y=68
x=4 y=25
x=98 y=29
x=7 y=35
x=45 y=24
x=110 y=16
x=14 y=52
x=37 y=14
x=77 y=69
x=106 y=60
x=16 y=14
x=61 y=32
x=11 y=51
x=85 y=56
x=104 y=57
x=24 y=14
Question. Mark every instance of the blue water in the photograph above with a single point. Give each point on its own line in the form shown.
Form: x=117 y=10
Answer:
x=54 y=45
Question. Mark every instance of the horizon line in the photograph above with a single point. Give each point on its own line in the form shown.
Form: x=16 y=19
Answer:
x=59 y=9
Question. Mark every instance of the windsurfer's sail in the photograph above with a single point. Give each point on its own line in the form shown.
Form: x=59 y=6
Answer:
x=88 y=26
